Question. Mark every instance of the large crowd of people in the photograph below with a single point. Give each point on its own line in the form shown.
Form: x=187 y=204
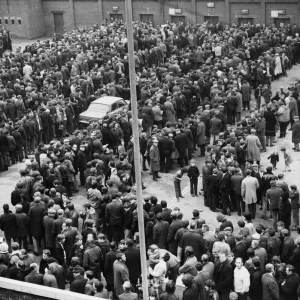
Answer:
x=193 y=82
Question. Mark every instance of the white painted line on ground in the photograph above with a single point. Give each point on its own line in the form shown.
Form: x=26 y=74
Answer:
x=174 y=200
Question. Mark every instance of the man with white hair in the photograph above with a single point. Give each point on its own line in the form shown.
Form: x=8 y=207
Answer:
x=128 y=295
x=269 y=285
x=260 y=252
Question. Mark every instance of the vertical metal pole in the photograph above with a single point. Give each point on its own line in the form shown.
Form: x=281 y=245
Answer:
x=136 y=144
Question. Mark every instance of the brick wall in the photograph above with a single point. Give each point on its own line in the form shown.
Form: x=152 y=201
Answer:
x=30 y=14
x=36 y=24
x=109 y=4
x=14 y=8
x=218 y=10
x=292 y=11
x=54 y=6
x=86 y=13
x=78 y=13
x=146 y=7
x=236 y=11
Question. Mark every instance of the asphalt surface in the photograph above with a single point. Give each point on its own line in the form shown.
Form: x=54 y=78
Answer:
x=164 y=189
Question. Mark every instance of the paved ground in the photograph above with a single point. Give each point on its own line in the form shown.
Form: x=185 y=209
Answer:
x=164 y=189
x=18 y=42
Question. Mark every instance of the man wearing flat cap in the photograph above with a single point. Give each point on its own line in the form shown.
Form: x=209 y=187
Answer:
x=78 y=285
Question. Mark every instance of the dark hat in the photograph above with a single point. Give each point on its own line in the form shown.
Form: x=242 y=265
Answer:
x=196 y=213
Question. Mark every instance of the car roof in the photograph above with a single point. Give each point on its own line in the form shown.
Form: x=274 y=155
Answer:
x=108 y=100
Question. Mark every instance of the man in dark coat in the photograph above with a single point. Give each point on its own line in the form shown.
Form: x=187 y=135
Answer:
x=271 y=123
x=92 y=257
x=195 y=240
x=160 y=232
x=3 y=150
x=147 y=110
x=181 y=142
x=240 y=247
x=108 y=268
x=133 y=262
x=166 y=212
x=121 y=274
x=269 y=284
x=19 y=144
x=225 y=182
x=200 y=282
x=70 y=234
x=288 y=246
x=8 y=224
x=191 y=289
x=48 y=227
x=255 y=290
x=35 y=216
x=46 y=121
x=296 y=133
x=22 y=223
x=206 y=172
x=57 y=224
x=16 y=193
x=174 y=226
x=114 y=216
x=223 y=276
x=295 y=258
x=166 y=148
x=78 y=285
x=82 y=163
x=34 y=276
x=156 y=207
x=290 y=286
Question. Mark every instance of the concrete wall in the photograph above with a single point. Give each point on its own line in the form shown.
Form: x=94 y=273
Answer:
x=18 y=290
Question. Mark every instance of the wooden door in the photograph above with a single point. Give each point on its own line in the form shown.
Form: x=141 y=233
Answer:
x=58 y=23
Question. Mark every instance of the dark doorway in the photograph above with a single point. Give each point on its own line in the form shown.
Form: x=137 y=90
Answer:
x=243 y=21
x=58 y=22
x=146 y=18
x=116 y=17
x=211 y=19
x=177 y=19
x=278 y=21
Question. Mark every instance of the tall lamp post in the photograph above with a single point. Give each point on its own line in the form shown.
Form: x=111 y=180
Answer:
x=136 y=145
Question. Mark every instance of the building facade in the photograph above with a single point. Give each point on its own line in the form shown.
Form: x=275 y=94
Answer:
x=34 y=18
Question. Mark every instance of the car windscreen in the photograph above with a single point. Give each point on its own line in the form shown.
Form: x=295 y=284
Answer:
x=99 y=107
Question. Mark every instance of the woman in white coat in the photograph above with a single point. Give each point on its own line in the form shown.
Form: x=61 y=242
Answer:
x=278 y=66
